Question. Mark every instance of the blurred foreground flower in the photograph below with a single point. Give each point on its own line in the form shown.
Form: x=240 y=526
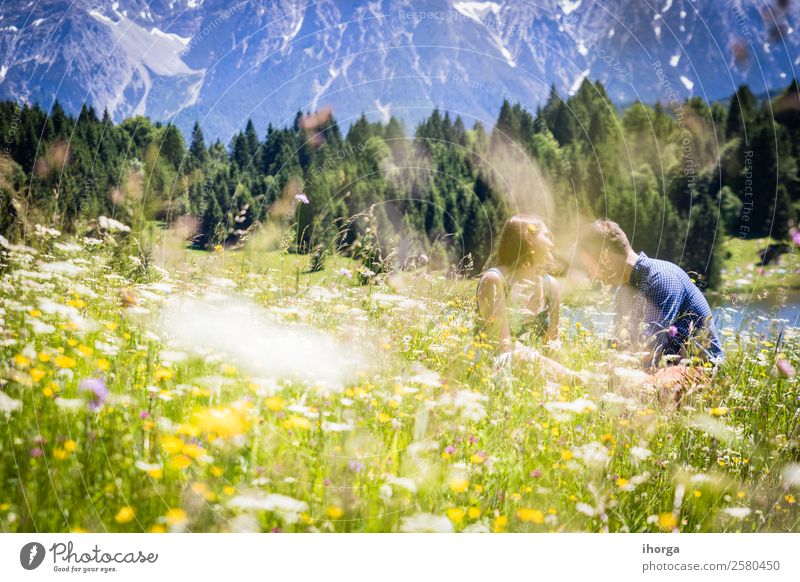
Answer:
x=287 y=508
x=426 y=523
x=785 y=368
x=223 y=422
x=8 y=404
x=97 y=392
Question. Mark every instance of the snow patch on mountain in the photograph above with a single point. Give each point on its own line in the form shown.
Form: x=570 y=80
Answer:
x=477 y=11
x=181 y=39
x=570 y=7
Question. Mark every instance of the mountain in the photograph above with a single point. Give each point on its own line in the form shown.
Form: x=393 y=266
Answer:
x=221 y=62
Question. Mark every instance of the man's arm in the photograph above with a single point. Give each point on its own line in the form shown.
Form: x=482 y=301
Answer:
x=663 y=298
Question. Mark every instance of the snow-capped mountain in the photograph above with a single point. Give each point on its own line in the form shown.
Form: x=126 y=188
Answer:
x=222 y=61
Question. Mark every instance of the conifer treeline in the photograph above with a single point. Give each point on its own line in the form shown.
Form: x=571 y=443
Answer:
x=678 y=177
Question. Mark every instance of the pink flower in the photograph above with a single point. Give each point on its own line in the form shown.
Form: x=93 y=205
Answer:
x=796 y=236
x=785 y=368
x=673 y=331
x=301 y=197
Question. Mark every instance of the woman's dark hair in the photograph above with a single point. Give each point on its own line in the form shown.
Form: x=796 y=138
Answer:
x=516 y=240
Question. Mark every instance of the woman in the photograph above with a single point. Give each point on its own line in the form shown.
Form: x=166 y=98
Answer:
x=518 y=301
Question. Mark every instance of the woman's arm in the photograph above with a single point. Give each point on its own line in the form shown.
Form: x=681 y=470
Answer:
x=492 y=310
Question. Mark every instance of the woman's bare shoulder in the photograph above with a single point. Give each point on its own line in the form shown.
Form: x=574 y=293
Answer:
x=491 y=281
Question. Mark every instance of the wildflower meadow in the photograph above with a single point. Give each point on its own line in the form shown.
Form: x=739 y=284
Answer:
x=237 y=392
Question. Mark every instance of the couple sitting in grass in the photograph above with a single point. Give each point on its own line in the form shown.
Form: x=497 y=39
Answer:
x=660 y=312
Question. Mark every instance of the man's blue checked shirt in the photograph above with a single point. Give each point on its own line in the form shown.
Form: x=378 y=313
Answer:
x=662 y=310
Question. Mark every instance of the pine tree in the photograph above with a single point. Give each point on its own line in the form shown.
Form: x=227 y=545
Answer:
x=197 y=150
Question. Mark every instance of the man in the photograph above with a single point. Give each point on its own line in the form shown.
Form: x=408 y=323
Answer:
x=657 y=305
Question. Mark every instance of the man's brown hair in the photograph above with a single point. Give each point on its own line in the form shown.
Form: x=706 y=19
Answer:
x=603 y=234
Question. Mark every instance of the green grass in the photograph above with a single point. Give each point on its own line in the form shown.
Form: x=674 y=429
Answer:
x=743 y=273
x=427 y=436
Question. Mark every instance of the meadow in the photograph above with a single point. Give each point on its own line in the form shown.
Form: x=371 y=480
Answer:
x=236 y=392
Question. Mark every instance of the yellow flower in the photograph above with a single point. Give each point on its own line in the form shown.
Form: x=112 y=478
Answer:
x=111 y=325
x=125 y=515
x=552 y=511
x=179 y=462
x=172 y=445
x=158 y=528
x=72 y=342
x=102 y=364
x=740 y=494
x=530 y=515
x=228 y=490
x=85 y=350
x=720 y=411
x=478 y=488
x=227 y=421
x=566 y=455
x=383 y=417
x=21 y=361
x=175 y=516
x=65 y=362
x=274 y=403
x=44 y=357
x=473 y=512
x=790 y=499
x=697 y=493
x=35 y=313
x=334 y=512
x=621 y=482
x=77 y=303
x=499 y=524
x=455 y=514
x=477 y=459
x=155 y=473
x=299 y=422
x=60 y=453
x=37 y=374
x=163 y=374
x=667 y=521
x=458 y=485
x=217 y=471
x=193 y=451
x=70 y=446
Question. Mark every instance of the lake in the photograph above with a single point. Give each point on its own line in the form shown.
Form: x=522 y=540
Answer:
x=762 y=314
